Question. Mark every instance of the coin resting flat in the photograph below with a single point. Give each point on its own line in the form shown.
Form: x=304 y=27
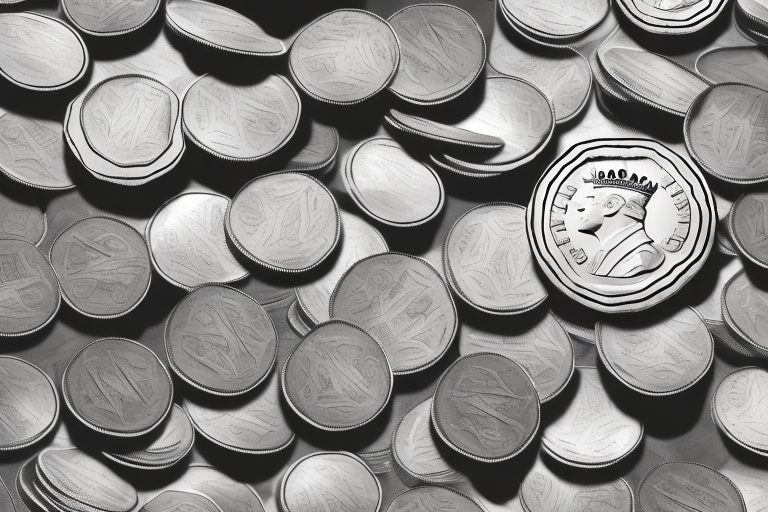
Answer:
x=100 y=18
x=429 y=498
x=740 y=407
x=668 y=486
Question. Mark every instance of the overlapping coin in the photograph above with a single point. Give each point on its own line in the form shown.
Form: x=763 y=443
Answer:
x=443 y=133
x=742 y=64
x=740 y=408
x=312 y=148
x=21 y=220
x=745 y=311
x=672 y=16
x=110 y=19
x=168 y=501
x=431 y=498
x=668 y=486
x=557 y=22
x=746 y=224
x=752 y=17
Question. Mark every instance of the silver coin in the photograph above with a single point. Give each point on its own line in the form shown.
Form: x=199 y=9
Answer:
x=431 y=498
x=444 y=133
x=745 y=310
x=592 y=432
x=26 y=489
x=177 y=501
x=709 y=305
x=746 y=225
x=228 y=494
x=669 y=486
x=559 y=19
x=442 y=52
x=221 y=28
x=751 y=482
x=390 y=186
x=742 y=64
x=345 y=56
x=755 y=11
x=109 y=18
x=403 y=302
x=39 y=52
x=296 y=320
x=286 y=221
x=21 y=221
x=672 y=16
x=311 y=151
x=740 y=408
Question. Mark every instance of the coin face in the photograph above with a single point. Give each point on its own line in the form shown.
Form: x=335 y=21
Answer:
x=40 y=53
x=666 y=487
x=621 y=224
x=486 y=407
x=332 y=480
x=390 y=186
x=742 y=64
x=187 y=242
x=103 y=267
x=312 y=149
x=751 y=483
x=740 y=406
x=345 y=56
x=444 y=133
x=102 y=18
x=21 y=221
x=592 y=432
x=173 y=501
x=241 y=122
x=403 y=303
x=219 y=27
x=117 y=387
x=29 y=289
x=557 y=19
x=284 y=221
x=431 y=498
x=745 y=310
x=748 y=217
x=442 y=52
x=228 y=494
x=672 y=16
x=338 y=377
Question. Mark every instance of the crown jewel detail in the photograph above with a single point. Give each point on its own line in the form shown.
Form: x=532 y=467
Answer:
x=642 y=185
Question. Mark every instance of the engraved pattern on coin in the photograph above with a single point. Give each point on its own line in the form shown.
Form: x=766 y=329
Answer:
x=751 y=483
x=684 y=486
x=109 y=17
x=228 y=494
x=557 y=18
x=430 y=498
x=20 y=220
x=745 y=310
x=742 y=64
x=672 y=16
x=740 y=408
x=180 y=501
x=747 y=226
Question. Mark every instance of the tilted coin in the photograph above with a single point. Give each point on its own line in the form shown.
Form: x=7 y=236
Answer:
x=177 y=501
x=682 y=486
x=431 y=498
x=103 y=267
x=221 y=28
x=296 y=319
x=118 y=387
x=336 y=481
x=488 y=263
x=753 y=14
x=39 y=52
x=242 y=123
x=187 y=242
x=26 y=489
x=442 y=52
x=751 y=483
x=220 y=340
x=723 y=241
x=345 y=56
x=21 y=221
x=742 y=64
x=748 y=218
x=543 y=349
x=28 y=288
x=29 y=402
x=311 y=149
x=660 y=358
x=592 y=432
x=109 y=18
x=228 y=494
x=337 y=377
x=6 y=502
x=555 y=20
x=286 y=221
x=672 y=16
x=621 y=224
x=486 y=407
x=403 y=302
x=745 y=310
x=391 y=186
x=740 y=408
x=444 y=133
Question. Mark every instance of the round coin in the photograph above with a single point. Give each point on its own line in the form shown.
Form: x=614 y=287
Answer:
x=746 y=224
x=688 y=486
x=745 y=310
x=29 y=287
x=285 y=221
x=555 y=19
x=177 y=501
x=486 y=407
x=431 y=498
x=442 y=52
x=21 y=221
x=220 y=340
x=404 y=303
x=672 y=16
x=109 y=18
x=103 y=267
x=117 y=387
x=337 y=377
x=621 y=224
x=345 y=56
x=740 y=408
x=228 y=494
x=390 y=186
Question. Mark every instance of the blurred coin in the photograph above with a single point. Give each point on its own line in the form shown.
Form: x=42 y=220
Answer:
x=39 y=52
x=486 y=407
x=672 y=16
x=444 y=133
x=742 y=64
x=26 y=488
x=311 y=149
x=688 y=486
x=749 y=216
x=109 y=18
x=442 y=52
x=745 y=310
x=740 y=408
x=751 y=482
x=228 y=494
x=21 y=221
x=403 y=302
x=337 y=377
x=6 y=502
x=557 y=20
x=177 y=501
x=117 y=387
x=287 y=221
x=431 y=498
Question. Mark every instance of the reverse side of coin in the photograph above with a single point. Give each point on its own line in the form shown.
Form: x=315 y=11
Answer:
x=486 y=407
x=21 y=221
x=110 y=19
x=447 y=134
x=431 y=498
x=746 y=224
x=742 y=64
x=311 y=151
x=745 y=310
x=117 y=387
x=672 y=16
x=740 y=406
x=172 y=501
x=667 y=487
x=228 y=494
x=555 y=19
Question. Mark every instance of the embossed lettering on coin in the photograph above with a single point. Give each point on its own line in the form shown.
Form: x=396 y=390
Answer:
x=430 y=498
x=742 y=64
x=747 y=226
x=683 y=486
x=740 y=408
x=745 y=310
x=21 y=221
x=180 y=501
x=105 y=17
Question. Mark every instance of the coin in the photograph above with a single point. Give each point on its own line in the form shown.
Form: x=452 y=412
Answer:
x=745 y=311
x=26 y=489
x=254 y=424
x=109 y=18
x=751 y=483
x=403 y=302
x=337 y=377
x=554 y=20
x=740 y=408
x=228 y=494
x=311 y=149
x=6 y=502
x=749 y=215
x=741 y=64
x=29 y=402
x=28 y=287
x=296 y=320
x=345 y=56
x=285 y=222
x=672 y=16
x=670 y=485
x=187 y=243
x=39 y=52
x=220 y=340
x=221 y=28
x=444 y=133
x=543 y=349
x=242 y=123
x=660 y=358
x=117 y=387
x=486 y=407
x=488 y=263
x=592 y=432
x=336 y=481
x=103 y=267
x=442 y=52
x=752 y=14
x=21 y=221
x=172 y=501
x=431 y=498
x=621 y=224
x=390 y=186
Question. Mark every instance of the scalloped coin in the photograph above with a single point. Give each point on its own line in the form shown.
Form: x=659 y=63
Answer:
x=432 y=498
x=672 y=16
x=688 y=486
x=740 y=408
x=109 y=18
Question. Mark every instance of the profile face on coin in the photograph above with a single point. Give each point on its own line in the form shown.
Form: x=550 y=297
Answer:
x=621 y=224
x=101 y=18
x=117 y=387
x=431 y=498
x=173 y=501
x=667 y=487
x=746 y=224
x=21 y=221
x=486 y=407
x=745 y=310
x=740 y=406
